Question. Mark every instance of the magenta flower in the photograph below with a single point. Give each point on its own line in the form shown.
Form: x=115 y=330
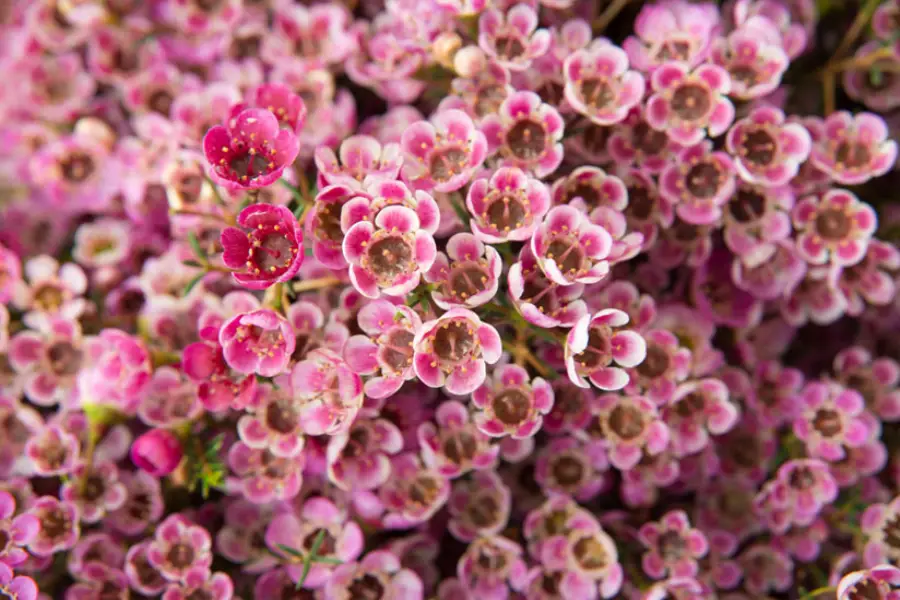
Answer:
x=591 y=188
x=869 y=281
x=95 y=490
x=251 y=152
x=471 y=279
x=330 y=392
x=880 y=582
x=263 y=477
x=666 y=31
x=674 y=547
x=510 y=404
x=48 y=358
x=379 y=575
x=16 y=531
x=169 y=400
x=242 y=537
x=698 y=183
x=773 y=277
x=508 y=206
x=635 y=143
x=647 y=210
x=753 y=56
x=490 y=566
x=274 y=424
x=527 y=133
x=143 y=506
x=389 y=255
x=599 y=84
x=268 y=249
x=878 y=523
x=773 y=393
x=368 y=203
x=570 y=249
x=259 y=342
x=699 y=408
x=766 y=568
x=767 y=150
x=413 y=494
x=52 y=451
x=688 y=104
x=587 y=557
x=597 y=342
x=835 y=227
x=454 y=445
x=220 y=388
x=59 y=526
x=854 y=148
x=832 y=417
x=53 y=289
x=179 y=547
x=361 y=161
x=539 y=300
x=806 y=486
x=442 y=154
x=19 y=588
x=628 y=428
x=513 y=39
x=568 y=467
x=196 y=112
x=323 y=224
x=280 y=100
x=787 y=19
x=451 y=351
x=755 y=218
x=117 y=370
x=875 y=379
x=666 y=365
x=198 y=583
x=478 y=506
x=157 y=452
x=342 y=539
x=875 y=86
x=359 y=458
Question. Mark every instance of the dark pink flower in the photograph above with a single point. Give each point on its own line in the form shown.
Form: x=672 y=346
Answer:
x=490 y=565
x=143 y=506
x=158 y=452
x=569 y=467
x=526 y=132
x=220 y=388
x=876 y=380
x=454 y=445
x=507 y=207
x=688 y=104
x=766 y=568
x=359 y=459
x=251 y=152
x=478 y=506
x=267 y=250
x=179 y=547
x=60 y=526
x=634 y=143
x=753 y=56
x=599 y=84
x=628 y=428
x=570 y=249
x=361 y=161
x=698 y=183
x=48 y=358
x=831 y=418
x=329 y=392
x=879 y=582
x=755 y=218
x=539 y=300
x=117 y=370
x=598 y=341
x=513 y=39
x=19 y=588
x=667 y=31
x=876 y=86
x=666 y=365
x=442 y=154
x=380 y=575
x=869 y=281
x=699 y=408
x=512 y=405
x=263 y=477
x=835 y=227
x=767 y=150
x=674 y=547
x=260 y=342
x=854 y=148
x=471 y=279
x=280 y=100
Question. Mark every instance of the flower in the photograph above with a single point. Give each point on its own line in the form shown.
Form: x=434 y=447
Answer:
x=471 y=279
x=526 y=132
x=59 y=526
x=52 y=451
x=251 y=152
x=835 y=227
x=627 y=427
x=53 y=289
x=597 y=341
x=667 y=31
x=269 y=248
x=117 y=370
x=755 y=218
x=157 y=452
x=698 y=183
x=688 y=104
x=767 y=150
x=875 y=379
x=490 y=565
x=16 y=531
x=453 y=444
x=569 y=248
x=513 y=39
x=179 y=547
x=329 y=391
x=753 y=56
x=95 y=490
x=507 y=206
x=599 y=84
x=451 y=351
x=673 y=546
x=260 y=341
x=568 y=467
x=379 y=575
x=49 y=359
x=442 y=154
x=832 y=417
x=876 y=582
x=362 y=160
x=854 y=148
x=698 y=408
x=511 y=404
x=359 y=459
x=20 y=588
x=217 y=586
x=478 y=506
x=280 y=100
x=539 y=300
x=666 y=365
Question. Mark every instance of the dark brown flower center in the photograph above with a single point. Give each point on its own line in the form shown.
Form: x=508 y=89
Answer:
x=746 y=74
x=146 y=573
x=802 y=478
x=648 y=140
x=460 y=447
x=690 y=405
x=742 y=449
x=506 y=212
x=423 y=491
x=526 y=140
x=691 y=102
x=328 y=545
x=94 y=488
x=55 y=523
x=567 y=253
x=759 y=147
x=568 y=470
x=868 y=588
x=833 y=224
x=590 y=554
x=852 y=154
x=827 y=422
x=446 y=163
x=595 y=137
x=77 y=167
x=396 y=350
x=509 y=47
x=747 y=205
x=282 y=416
x=483 y=510
x=329 y=221
x=249 y=165
x=626 y=421
x=587 y=192
x=703 y=180
x=599 y=349
x=390 y=257
x=511 y=406
x=160 y=101
x=673 y=50
x=367 y=587
x=597 y=93
x=656 y=363
x=641 y=202
x=180 y=555
x=208 y=5
x=246 y=46
x=454 y=342
x=672 y=546
x=274 y=253
x=489 y=99
x=467 y=280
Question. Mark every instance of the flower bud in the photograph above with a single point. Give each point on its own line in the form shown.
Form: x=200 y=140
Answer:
x=445 y=47
x=158 y=452
x=469 y=61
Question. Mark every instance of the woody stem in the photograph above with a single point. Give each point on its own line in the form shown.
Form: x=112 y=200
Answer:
x=316 y=284
x=606 y=17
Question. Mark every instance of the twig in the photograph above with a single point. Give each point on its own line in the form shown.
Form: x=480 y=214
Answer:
x=603 y=21
x=856 y=28
x=316 y=284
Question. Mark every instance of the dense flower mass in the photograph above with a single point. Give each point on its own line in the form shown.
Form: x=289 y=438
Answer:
x=449 y=300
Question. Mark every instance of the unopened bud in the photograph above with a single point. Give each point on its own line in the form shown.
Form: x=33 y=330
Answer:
x=469 y=61
x=445 y=47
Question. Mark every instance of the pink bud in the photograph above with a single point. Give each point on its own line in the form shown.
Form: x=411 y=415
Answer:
x=158 y=452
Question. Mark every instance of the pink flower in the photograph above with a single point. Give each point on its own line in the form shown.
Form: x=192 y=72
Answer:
x=753 y=56
x=569 y=248
x=773 y=393
x=179 y=547
x=220 y=388
x=787 y=19
x=20 y=588
x=481 y=94
x=157 y=452
x=766 y=568
x=10 y=274
x=635 y=141
x=490 y=566
x=454 y=445
x=143 y=506
x=215 y=586
x=342 y=538
x=875 y=86
x=274 y=424
x=598 y=341
x=361 y=161
x=59 y=526
x=508 y=206
x=526 y=132
x=52 y=451
x=667 y=364
x=260 y=341
x=875 y=379
x=767 y=150
x=512 y=39
x=48 y=358
x=117 y=370
x=386 y=349
x=16 y=530
x=451 y=351
x=805 y=487
x=881 y=579
x=263 y=477
x=647 y=209
x=772 y=278
x=471 y=279
x=539 y=300
x=196 y=112
x=628 y=428
x=687 y=104
x=854 y=148
x=381 y=194
x=329 y=391
x=699 y=408
x=755 y=218
x=379 y=574
x=268 y=250
x=280 y=100
x=478 y=506
x=323 y=224
x=877 y=526
x=169 y=400
x=359 y=459
x=512 y=405
x=832 y=417
x=389 y=255
x=568 y=467
x=698 y=183
x=442 y=154
x=667 y=31
x=591 y=188
x=315 y=36
x=674 y=547
x=835 y=227
x=599 y=84
x=53 y=289
x=413 y=494
x=869 y=281
x=251 y=152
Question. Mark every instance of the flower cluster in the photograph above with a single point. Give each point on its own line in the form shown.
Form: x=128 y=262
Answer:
x=449 y=300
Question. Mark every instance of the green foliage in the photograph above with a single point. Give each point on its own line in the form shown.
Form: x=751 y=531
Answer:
x=205 y=469
x=310 y=558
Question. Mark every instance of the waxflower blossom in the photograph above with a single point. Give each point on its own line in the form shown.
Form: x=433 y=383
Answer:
x=157 y=452
x=674 y=547
x=753 y=56
x=634 y=141
x=698 y=183
x=479 y=506
x=258 y=342
x=329 y=391
x=178 y=547
x=570 y=249
x=627 y=427
x=17 y=531
x=526 y=133
x=453 y=444
x=251 y=152
x=687 y=104
x=49 y=359
x=379 y=575
x=452 y=350
x=832 y=418
x=360 y=458
x=52 y=289
x=599 y=84
x=117 y=369
x=413 y=494
x=512 y=39
x=854 y=148
x=598 y=341
x=511 y=404
x=540 y=301
x=442 y=154
x=490 y=565
x=835 y=227
x=755 y=218
x=267 y=250
x=868 y=282
x=668 y=31
x=878 y=582
x=361 y=160
x=59 y=526
x=468 y=275
x=876 y=380
x=666 y=365
x=767 y=150
x=506 y=207
x=95 y=489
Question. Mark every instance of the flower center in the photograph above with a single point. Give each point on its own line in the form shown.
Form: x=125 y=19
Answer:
x=671 y=546
x=454 y=342
x=703 y=180
x=747 y=205
x=540 y=291
x=390 y=257
x=274 y=252
x=745 y=74
x=423 y=491
x=597 y=92
x=77 y=167
x=690 y=405
x=328 y=545
x=208 y=5
x=180 y=555
x=444 y=164
x=852 y=155
x=868 y=589
x=357 y=443
x=467 y=280
x=832 y=224
x=366 y=587
x=249 y=165
x=673 y=50
x=329 y=222
x=598 y=353
x=506 y=212
x=64 y=358
x=827 y=422
x=743 y=450
x=55 y=524
x=656 y=363
x=397 y=350
x=160 y=101
x=759 y=147
x=626 y=421
x=94 y=488
x=640 y=202
x=802 y=479
x=568 y=471
x=489 y=99
x=590 y=554
x=691 y=102
x=585 y=191
x=281 y=416
x=483 y=510
x=648 y=140
x=567 y=253
x=491 y=560
x=48 y=297
x=511 y=406
x=526 y=140
x=509 y=47
x=460 y=447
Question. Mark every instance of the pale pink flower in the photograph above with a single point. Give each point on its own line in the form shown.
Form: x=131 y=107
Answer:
x=259 y=342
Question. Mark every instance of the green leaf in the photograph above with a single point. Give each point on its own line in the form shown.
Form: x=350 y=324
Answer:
x=192 y=284
x=199 y=252
x=192 y=263
x=327 y=560
x=461 y=213
x=289 y=550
